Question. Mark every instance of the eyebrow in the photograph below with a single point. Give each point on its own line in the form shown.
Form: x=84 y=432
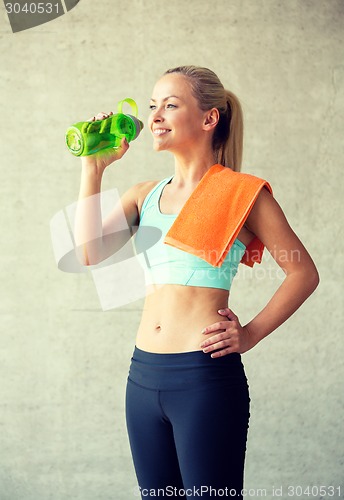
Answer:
x=166 y=98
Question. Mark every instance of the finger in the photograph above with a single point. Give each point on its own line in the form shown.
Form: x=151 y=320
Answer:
x=102 y=115
x=229 y=313
x=223 y=352
x=124 y=143
x=223 y=344
x=220 y=325
x=222 y=338
x=124 y=146
x=223 y=312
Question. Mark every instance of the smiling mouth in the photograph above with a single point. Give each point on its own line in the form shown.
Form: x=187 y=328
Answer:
x=160 y=131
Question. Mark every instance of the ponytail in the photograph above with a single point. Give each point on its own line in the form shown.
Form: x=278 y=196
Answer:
x=229 y=134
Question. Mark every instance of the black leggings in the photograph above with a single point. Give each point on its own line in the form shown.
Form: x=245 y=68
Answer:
x=187 y=418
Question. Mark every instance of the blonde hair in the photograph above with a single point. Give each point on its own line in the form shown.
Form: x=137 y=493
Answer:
x=210 y=93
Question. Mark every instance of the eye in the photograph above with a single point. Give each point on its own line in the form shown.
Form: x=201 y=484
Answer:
x=152 y=106
x=171 y=105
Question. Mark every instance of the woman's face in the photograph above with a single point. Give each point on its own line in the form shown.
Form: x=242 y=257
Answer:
x=175 y=119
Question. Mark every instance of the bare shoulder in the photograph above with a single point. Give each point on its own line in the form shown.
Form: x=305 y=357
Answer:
x=140 y=191
x=269 y=223
x=266 y=217
x=145 y=186
x=130 y=203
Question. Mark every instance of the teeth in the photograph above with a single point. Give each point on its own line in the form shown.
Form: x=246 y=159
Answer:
x=160 y=131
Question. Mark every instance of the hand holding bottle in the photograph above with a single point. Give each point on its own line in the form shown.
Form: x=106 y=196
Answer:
x=104 y=157
x=104 y=137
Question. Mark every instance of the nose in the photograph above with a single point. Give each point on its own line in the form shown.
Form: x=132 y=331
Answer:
x=157 y=114
x=157 y=121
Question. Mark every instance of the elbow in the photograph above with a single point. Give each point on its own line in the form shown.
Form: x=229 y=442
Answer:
x=311 y=276
x=88 y=263
x=308 y=279
x=81 y=255
x=311 y=280
x=85 y=257
x=315 y=280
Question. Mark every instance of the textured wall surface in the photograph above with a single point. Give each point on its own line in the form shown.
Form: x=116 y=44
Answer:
x=64 y=361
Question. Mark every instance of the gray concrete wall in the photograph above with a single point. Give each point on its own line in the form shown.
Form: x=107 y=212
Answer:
x=64 y=361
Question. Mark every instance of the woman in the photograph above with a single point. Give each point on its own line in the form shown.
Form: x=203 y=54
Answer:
x=187 y=400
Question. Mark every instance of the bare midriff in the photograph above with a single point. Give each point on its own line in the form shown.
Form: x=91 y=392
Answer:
x=174 y=316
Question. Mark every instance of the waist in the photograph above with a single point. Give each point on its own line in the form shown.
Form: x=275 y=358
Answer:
x=176 y=371
x=174 y=316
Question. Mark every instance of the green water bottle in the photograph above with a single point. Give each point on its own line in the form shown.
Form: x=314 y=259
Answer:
x=86 y=138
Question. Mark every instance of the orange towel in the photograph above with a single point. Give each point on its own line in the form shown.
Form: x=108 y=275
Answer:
x=213 y=215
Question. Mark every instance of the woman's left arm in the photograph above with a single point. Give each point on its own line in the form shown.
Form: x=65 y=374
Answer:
x=268 y=222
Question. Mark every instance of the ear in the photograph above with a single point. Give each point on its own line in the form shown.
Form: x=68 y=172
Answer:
x=211 y=119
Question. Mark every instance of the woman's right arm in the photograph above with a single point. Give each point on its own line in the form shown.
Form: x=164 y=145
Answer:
x=88 y=230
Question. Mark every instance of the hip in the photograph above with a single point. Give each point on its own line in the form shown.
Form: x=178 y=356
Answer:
x=186 y=370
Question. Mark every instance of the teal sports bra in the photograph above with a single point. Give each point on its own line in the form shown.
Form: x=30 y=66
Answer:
x=164 y=264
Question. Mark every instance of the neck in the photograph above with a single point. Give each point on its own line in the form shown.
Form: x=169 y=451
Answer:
x=189 y=169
